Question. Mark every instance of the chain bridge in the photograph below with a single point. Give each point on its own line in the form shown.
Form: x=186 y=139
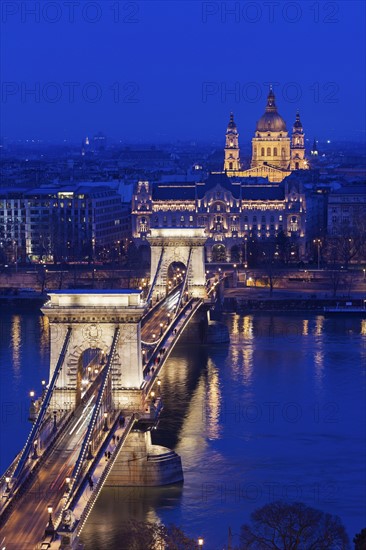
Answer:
x=91 y=427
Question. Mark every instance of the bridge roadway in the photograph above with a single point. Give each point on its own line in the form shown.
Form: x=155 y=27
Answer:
x=160 y=315
x=26 y=525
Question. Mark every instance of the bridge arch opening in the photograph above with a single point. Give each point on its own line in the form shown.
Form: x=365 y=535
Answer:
x=89 y=364
x=175 y=274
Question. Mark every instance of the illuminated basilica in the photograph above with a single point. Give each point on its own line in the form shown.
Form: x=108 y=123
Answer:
x=274 y=154
x=236 y=207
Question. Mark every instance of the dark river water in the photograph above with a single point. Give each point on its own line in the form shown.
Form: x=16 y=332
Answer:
x=277 y=414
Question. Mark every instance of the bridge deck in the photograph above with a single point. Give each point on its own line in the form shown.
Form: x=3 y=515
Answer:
x=27 y=523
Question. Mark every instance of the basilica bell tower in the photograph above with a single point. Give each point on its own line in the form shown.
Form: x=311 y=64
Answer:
x=298 y=161
x=232 y=152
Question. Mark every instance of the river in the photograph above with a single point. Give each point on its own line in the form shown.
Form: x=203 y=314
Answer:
x=277 y=414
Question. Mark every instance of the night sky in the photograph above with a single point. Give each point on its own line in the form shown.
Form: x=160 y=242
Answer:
x=163 y=71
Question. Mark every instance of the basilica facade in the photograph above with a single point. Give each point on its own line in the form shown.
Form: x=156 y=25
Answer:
x=274 y=154
x=240 y=210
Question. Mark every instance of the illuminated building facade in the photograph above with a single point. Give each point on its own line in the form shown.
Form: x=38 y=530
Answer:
x=274 y=154
x=234 y=212
x=60 y=223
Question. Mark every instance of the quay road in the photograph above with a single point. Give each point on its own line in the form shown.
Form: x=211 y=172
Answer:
x=26 y=525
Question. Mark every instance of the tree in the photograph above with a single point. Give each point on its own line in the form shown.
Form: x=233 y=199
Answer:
x=284 y=247
x=150 y=536
x=269 y=263
x=293 y=526
x=360 y=540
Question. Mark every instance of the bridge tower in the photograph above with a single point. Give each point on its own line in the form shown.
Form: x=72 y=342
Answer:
x=178 y=244
x=93 y=316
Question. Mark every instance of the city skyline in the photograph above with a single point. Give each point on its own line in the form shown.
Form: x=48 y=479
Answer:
x=137 y=74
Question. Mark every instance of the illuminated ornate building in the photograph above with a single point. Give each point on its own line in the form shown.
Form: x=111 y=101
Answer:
x=236 y=207
x=274 y=154
x=235 y=212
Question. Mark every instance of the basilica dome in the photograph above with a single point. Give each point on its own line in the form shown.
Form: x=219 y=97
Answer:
x=271 y=121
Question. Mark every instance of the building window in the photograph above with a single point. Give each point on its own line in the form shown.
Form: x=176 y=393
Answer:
x=293 y=224
x=275 y=152
x=268 y=151
x=230 y=165
x=262 y=151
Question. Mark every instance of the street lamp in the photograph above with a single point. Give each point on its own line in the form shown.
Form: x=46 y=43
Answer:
x=364 y=274
x=105 y=427
x=161 y=329
x=35 y=454
x=7 y=481
x=200 y=542
x=50 y=529
x=90 y=454
x=32 y=408
x=68 y=481
x=245 y=252
x=154 y=336
x=143 y=357
x=318 y=243
x=159 y=384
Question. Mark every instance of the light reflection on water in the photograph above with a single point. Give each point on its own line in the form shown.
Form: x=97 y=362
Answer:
x=279 y=413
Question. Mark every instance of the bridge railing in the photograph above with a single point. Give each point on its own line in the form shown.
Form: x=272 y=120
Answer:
x=150 y=312
x=87 y=440
x=99 y=485
x=178 y=325
x=26 y=477
x=185 y=279
x=44 y=407
x=158 y=267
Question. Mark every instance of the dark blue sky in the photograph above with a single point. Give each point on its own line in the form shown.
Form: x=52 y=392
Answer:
x=163 y=71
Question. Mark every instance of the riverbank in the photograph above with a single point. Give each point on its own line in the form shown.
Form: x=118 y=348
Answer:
x=242 y=300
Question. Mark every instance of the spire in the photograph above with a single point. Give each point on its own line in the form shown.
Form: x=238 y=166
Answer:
x=232 y=153
x=297 y=123
x=231 y=125
x=314 y=150
x=271 y=101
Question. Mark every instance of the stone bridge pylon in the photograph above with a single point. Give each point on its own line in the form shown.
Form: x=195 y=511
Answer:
x=93 y=319
x=173 y=245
